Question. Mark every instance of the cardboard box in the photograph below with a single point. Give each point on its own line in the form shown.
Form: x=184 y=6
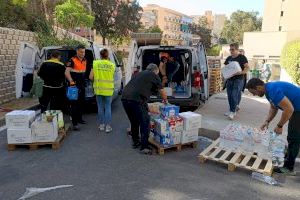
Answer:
x=169 y=110
x=161 y=126
x=19 y=119
x=189 y=136
x=58 y=114
x=169 y=91
x=191 y=120
x=43 y=131
x=154 y=108
x=19 y=136
x=229 y=70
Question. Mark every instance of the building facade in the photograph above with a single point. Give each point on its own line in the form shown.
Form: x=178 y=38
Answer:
x=280 y=25
x=218 y=25
x=175 y=25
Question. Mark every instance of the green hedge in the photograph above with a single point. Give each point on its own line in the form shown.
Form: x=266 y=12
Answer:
x=214 y=50
x=290 y=60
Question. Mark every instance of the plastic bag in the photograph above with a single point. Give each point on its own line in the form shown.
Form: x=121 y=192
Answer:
x=72 y=93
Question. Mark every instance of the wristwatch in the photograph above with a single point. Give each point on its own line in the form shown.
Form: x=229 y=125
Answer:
x=279 y=126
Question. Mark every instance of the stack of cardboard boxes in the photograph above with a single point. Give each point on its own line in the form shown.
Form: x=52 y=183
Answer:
x=25 y=127
x=169 y=127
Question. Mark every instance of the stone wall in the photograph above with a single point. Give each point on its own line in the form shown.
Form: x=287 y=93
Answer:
x=10 y=40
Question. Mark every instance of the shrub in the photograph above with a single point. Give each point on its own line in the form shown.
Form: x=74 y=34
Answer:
x=214 y=50
x=290 y=60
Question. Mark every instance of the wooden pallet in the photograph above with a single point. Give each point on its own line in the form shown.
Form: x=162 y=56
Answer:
x=161 y=149
x=235 y=160
x=54 y=145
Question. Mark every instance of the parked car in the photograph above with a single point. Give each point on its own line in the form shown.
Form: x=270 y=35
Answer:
x=193 y=70
x=30 y=58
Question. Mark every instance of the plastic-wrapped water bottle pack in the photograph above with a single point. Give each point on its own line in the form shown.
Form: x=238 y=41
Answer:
x=267 y=144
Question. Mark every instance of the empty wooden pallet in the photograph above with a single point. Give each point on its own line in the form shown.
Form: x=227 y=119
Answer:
x=235 y=160
x=161 y=149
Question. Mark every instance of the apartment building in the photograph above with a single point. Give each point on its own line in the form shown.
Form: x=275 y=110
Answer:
x=218 y=25
x=280 y=25
x=175 y=25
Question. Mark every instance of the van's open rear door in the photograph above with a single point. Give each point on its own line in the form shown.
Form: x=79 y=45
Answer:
x=204 y=69
x=27 y=61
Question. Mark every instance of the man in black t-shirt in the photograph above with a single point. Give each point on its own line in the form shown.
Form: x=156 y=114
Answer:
x=52 y=72
x=235 y=84
x=135 y=97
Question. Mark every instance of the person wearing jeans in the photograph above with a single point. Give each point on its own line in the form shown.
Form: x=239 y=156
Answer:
x=135 y=97
x=234 y=92
x=104 y=111
x=102 y=75
x=286 y=97
x=235 y=84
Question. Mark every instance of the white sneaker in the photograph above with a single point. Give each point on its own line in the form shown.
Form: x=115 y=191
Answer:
x=231 y=115
x=227 y=113
x=108 y=129
x=237 y=108
x=102 y=127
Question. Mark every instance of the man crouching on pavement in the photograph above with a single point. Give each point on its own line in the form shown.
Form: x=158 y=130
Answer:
x=135 y=97
x=284 y=96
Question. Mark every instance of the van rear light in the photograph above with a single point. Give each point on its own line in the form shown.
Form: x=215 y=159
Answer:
x=197 y=80
x=135 y=71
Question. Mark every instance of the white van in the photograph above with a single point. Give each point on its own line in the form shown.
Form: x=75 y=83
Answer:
x=193 y=70
x=30 y=57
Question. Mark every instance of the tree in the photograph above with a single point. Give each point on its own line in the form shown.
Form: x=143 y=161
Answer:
x=116 y=18
x=13 y=15
x=72 y=14
x=203 y=32
x=240 y=22
x=152 y=29
x=290 y=60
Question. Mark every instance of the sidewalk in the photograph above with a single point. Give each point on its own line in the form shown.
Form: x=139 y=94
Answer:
x=18 y=104
x=253 y=112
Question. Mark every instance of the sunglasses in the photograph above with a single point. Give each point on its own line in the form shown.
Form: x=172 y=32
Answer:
x=231 y=49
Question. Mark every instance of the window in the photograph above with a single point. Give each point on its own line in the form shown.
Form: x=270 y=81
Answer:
x=280 y=28
x=281 y=14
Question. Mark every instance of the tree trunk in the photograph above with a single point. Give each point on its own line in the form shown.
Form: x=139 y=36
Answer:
x=103 y=40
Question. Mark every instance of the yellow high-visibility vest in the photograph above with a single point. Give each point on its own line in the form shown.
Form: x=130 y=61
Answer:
x=103 y=77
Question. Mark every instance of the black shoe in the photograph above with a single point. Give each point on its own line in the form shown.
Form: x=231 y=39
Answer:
x=136 y=145
x=82 y=122
x=75 y=128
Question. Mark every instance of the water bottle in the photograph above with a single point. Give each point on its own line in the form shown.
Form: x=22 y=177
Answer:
x=277 y=148
x=263 y=178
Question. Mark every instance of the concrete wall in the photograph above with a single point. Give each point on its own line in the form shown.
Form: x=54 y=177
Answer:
x=10 y=40
x=267 y=44
x=272 y=18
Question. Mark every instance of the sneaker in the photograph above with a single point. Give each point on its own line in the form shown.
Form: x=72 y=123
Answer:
x=108 y=129
x=146 y=151
x=231 y=115
x=75 y=128
x=237 y=108
x=227 y=113
x=102 y=127
x=285 y=171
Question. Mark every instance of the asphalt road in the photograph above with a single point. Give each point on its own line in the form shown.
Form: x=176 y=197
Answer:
x=103 y=166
